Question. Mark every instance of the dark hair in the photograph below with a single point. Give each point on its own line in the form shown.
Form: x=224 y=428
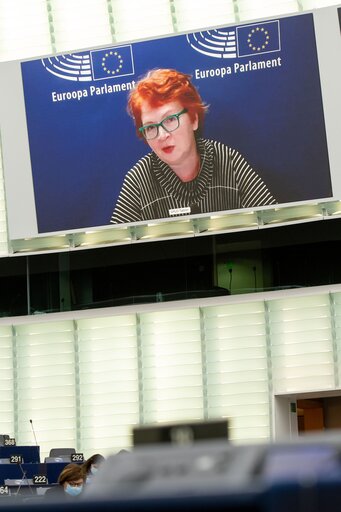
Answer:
x=97 y=458
x=69 y=473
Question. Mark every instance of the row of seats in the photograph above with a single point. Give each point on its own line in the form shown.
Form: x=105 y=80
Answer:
x=60 y=455
x=21 y=475
x=55 y=455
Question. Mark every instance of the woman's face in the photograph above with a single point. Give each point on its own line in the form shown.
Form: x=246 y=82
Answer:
x=73 y=487
x=174 y=147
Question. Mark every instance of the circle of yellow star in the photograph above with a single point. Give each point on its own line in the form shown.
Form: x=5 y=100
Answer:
x=119 y=63
x=265 y=42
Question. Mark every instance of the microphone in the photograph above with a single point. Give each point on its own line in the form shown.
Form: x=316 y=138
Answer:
x=230 y=283
x=35 y=438
x=255 y=276
x=195 y=208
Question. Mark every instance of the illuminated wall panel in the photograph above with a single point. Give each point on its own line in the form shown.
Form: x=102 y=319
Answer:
x=190 y=14
x=79 y=24
x=237 y=368
x=171 y=362
x=108 y=382
x=301 y=344
x=87 y=381
x=7 y=380
x=45 y=384
x=130 y=24
x=24 y=29
x=336 y=325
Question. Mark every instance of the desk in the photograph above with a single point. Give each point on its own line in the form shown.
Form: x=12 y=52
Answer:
x=29 y=453
x=24 y=489
x=51 y=470
x=14 y=471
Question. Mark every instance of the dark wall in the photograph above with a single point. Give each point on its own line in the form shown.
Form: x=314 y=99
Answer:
x=300 y=255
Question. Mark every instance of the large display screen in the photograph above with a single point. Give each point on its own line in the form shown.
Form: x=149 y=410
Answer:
x=74 y=159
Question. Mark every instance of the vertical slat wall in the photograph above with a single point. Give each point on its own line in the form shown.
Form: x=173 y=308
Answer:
x=336 y=307
x=248 y=9
x=30 y=28
x=79 y=24
x=86 y=383
x=237 y=368
x=7 y=379
x=301 y=344
x=24 y=29
x=46 y=385
x=191 y=14
x=315 y=4
x=108 y=382
x=135 y=20
x=171 y=363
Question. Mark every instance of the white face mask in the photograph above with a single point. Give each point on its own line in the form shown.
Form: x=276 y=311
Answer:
x=73 y=490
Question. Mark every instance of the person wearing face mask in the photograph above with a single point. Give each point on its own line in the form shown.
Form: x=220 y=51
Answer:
x=184 y=173
x=91 y=466
x=71 y=482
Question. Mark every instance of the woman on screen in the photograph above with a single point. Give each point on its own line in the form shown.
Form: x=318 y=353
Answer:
x=184 y=173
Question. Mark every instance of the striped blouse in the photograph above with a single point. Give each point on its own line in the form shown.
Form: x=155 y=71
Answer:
x=151 y=190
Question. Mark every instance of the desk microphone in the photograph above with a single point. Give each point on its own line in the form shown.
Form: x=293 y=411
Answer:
x=35 y=438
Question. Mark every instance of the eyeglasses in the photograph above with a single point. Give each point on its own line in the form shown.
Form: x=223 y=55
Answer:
x=169 y=123
x=76 y=483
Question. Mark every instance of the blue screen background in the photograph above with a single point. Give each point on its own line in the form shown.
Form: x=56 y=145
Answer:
x=81 y=150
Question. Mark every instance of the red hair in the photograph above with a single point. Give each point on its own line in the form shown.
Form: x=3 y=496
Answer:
x=161 y=86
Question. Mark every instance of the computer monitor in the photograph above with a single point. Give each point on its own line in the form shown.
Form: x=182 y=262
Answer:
x=3 y=438
x=181 y=433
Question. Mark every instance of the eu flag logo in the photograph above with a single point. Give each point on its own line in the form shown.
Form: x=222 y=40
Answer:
x=112 y=62
x=258 y=38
